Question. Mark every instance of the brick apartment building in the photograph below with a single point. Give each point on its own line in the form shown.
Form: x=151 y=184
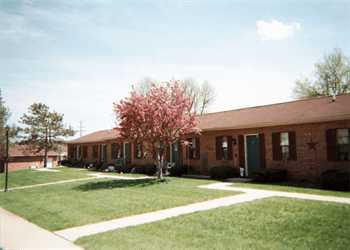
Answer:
x=23 y=157
x=305 y=137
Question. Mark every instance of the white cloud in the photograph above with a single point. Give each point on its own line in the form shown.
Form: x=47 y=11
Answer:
x=276 y=30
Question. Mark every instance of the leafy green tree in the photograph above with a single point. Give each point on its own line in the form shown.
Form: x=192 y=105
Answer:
x=332 y=77
x=43 y=130
x=4 y=117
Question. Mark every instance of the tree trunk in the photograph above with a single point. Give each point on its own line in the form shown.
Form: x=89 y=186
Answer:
x=160 y=167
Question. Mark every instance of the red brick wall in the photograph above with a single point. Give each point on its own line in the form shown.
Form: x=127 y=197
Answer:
x=19 y=163
x=308 y=166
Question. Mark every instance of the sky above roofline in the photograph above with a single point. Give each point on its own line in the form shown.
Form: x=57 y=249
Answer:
x=80 y=57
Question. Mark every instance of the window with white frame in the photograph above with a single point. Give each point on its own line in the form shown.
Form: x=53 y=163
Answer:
x=224 y=147
x=138 y=149
x=343 y=144
x=284 y=138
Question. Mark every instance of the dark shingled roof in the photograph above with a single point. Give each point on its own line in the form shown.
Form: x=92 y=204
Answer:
x=98 y=136
x=311 y=110
x=318 y=109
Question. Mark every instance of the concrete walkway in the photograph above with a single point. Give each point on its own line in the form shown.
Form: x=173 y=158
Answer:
x=93 y=176
x=52 y=183
x=303 y=196
x=248 y=195
x=13 y=227
x=19 y=234
x=73 y=234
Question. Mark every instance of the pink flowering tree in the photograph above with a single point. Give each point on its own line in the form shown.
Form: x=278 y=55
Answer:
x=157 y=118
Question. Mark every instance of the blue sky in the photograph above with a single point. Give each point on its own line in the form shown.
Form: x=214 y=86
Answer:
x=81 y=56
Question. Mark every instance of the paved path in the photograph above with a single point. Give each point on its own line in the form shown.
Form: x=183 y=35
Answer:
x=52 y=183
x=303 y=196
x=19 y=234
x=92 y=176
x=248 y=195
x=17 y=227
x=73 y=234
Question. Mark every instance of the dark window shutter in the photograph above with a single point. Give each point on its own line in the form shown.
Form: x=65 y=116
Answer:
x=121 y=150
x=241 y=151
x=168 y=153
x=198 y=148
x=142 y=153
x=135 y=150
x=113 y=151
x=292 y=146
x=218 y=148
x=276 y=147
x=331 y=140
x=229 y=148
x=262 y=150
x=188 y=149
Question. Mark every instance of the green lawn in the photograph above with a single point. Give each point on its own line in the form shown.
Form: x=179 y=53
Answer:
x=286 y=188
x=274 y=223
x=31 y=177
x=66 y=205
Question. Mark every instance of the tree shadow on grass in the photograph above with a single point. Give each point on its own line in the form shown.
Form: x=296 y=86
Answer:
x=109 y=184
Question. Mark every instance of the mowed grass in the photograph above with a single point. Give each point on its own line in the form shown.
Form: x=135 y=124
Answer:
x=286 y=188
x=274 y=223
x=67 y=205
x=31 y=177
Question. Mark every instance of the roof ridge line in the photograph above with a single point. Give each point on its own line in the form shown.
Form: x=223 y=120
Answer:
x=272 y=104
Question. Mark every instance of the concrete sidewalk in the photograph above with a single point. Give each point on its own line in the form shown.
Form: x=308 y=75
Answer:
x=19 y=234
x=302 y=196
x=73 y=234
x=92 y=176
x=249 y=194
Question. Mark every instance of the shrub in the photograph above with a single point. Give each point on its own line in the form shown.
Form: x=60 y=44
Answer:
x=269 y=175
x=178 y=170
x=150 y=169
x=336 y=180
x=223 y=172
x=75 y=164
x=191 y=170
x=125 y=169
x=66 y=163
x=138 y=169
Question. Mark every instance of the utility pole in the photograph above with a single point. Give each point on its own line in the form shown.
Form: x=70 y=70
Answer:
x=7 y=159
x=81 y=128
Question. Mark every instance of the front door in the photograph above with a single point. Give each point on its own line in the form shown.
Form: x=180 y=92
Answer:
x=127 y=153
x=176 y=153
x=253 y=153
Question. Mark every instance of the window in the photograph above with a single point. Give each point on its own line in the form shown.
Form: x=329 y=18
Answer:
x=193 y=148
x=71 y=151
x=224 y=148
x=117 y=150
x=284 y=138
x=138 y=151
x=343 y=144
x=284 y=146
x=103 y=153
x=78 y=152
x=95 y=151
